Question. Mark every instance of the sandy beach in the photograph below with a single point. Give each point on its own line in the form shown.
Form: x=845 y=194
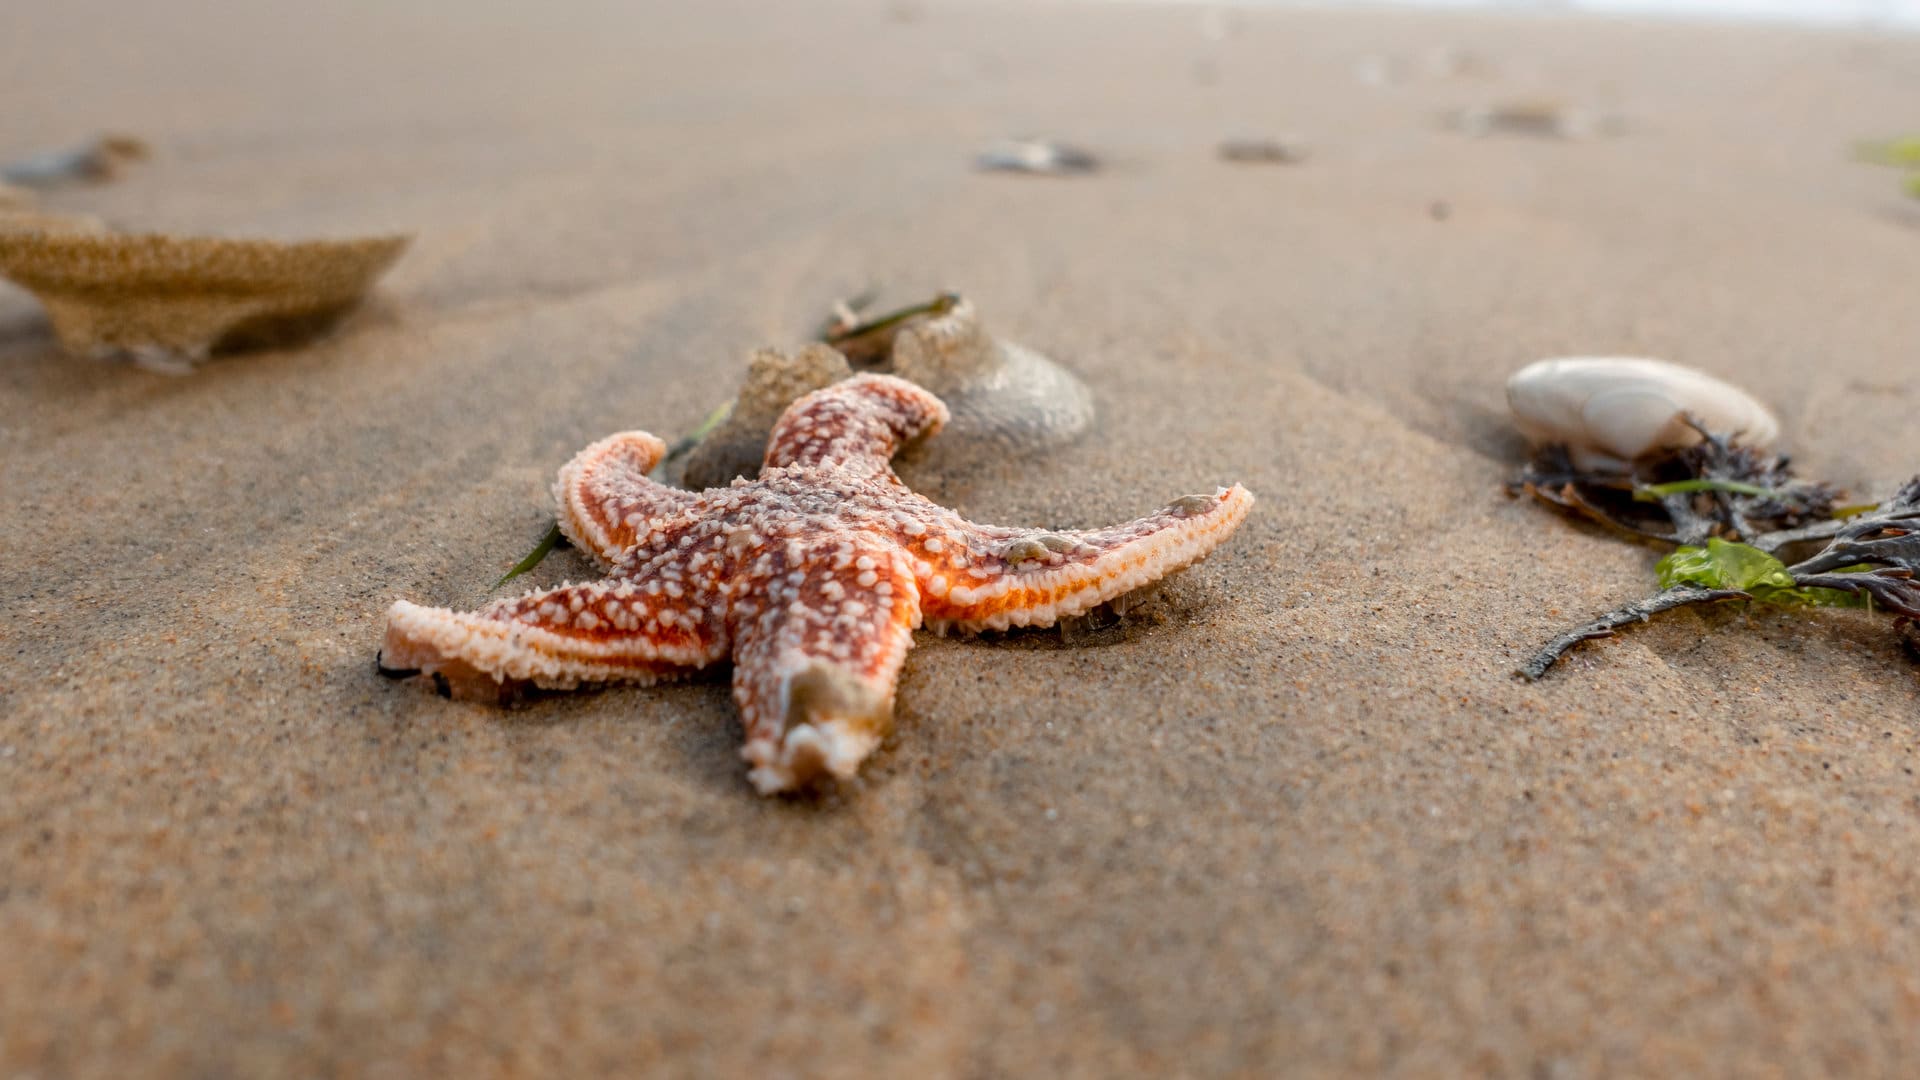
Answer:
x=1300 y=816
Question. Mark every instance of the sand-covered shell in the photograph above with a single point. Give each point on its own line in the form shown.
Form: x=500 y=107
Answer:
x=1609 y=411
x=1006 y=400
x=774 y=381
x=168 y=301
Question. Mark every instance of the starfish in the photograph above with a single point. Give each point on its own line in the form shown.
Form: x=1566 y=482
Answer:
x=811 y=578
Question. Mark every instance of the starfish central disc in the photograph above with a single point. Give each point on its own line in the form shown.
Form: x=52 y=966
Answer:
x=811 y=579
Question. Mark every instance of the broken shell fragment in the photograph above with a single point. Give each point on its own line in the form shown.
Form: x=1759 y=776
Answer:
x=1044 y=157
x=1610 y=411
x=1005 y=399
x=1188 y=505
x=100 y=159
x=1025 y=550
x=169 y=301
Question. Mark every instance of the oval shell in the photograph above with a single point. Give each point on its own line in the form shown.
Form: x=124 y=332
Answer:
x=1609 y=411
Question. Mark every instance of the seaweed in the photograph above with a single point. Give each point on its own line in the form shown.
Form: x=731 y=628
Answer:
x=1869 y=560
x=1899 y=152
x=1689 y=496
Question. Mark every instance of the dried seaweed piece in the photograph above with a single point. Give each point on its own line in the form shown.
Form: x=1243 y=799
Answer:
x=100 y=159
x=1638 y=611
x=1886 y=536
x=1539 y=119
x=1263 y=151
x=1005 y=399
x=1894 y=590
x=1713 y=488
x=1040 y=157
x=170 y=301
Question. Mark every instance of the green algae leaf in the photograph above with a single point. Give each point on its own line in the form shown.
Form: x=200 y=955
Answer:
x=1725 y=565
x=939 y=305
x=1902 y=152
x=714 y=419
x=1656 y=492
x=540 y=551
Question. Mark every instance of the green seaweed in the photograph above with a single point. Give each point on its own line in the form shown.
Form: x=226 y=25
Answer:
x=1656 y=492
x=1726 y=565
x=714 y=419
x=540 y=551
x=1900 y=152
x=939 y=305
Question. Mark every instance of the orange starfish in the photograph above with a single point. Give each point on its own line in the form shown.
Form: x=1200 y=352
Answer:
x=812 y=578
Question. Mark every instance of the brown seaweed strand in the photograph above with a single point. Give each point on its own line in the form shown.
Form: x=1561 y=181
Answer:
x=1638 y=611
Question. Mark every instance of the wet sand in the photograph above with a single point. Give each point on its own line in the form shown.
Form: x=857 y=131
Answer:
x=1301 y=815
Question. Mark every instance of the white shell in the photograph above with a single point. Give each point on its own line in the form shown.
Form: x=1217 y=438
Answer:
x=1612 y=410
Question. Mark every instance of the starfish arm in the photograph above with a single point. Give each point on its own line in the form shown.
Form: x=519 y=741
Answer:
x=613 y=631
x=857 y=424
x=605 y=501
x=976 y=577
x=819 y=638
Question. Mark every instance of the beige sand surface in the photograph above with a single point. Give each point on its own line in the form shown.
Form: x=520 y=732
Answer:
x=1308 y=818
